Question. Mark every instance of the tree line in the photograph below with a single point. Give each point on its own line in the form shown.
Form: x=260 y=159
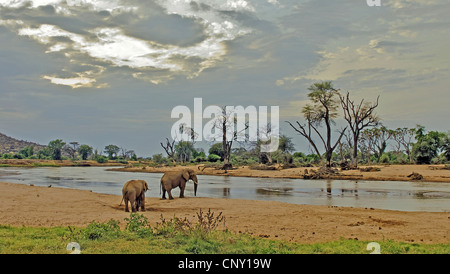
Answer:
x=60 y=150
x=362 y=140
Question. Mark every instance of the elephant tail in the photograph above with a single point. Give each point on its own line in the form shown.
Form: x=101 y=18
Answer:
x=123 y=196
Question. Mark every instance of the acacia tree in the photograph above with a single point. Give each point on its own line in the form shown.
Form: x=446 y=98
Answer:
x=358 y=117
x=323 y=111
x=112 y=151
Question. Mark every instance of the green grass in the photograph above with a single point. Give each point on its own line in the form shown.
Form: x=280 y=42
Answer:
x=178 y=236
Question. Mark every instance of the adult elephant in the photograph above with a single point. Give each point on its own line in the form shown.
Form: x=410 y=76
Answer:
x=173 y=179
x=134 y=192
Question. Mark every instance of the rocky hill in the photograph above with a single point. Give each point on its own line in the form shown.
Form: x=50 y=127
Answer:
x=9 y=144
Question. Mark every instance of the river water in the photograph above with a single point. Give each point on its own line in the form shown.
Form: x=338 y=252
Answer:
x=392 y=195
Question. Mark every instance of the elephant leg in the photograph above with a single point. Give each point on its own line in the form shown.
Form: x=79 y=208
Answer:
x=133 y=204
x=181 y=192
x=142 y=202
x=125 y=199
x=163 y=191
x=170 y=194
x=138 y=204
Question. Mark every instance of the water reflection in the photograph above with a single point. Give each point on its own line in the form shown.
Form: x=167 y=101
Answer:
x=409 y=196
x=275 y=191
x=226 y=192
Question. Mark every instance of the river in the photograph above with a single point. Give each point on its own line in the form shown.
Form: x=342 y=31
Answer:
x=392 y=195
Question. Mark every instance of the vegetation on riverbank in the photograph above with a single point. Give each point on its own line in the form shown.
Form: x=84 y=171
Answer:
x=53 y=163
x=180 y=236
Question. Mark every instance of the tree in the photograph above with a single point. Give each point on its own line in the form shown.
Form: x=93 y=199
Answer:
x=225 y=123
x=169 y=147
x=125 y=153
x=55 y=148
x=285 y=146
x=428 y=145
x=376 y=140
x=70 y=151
x=84 y=151
x=27 y=151
x=446 y=146
x=112 y=151
x=322 y=111
x=184 y=151
x=404 y=139
x=217 y=149
x=358 y=117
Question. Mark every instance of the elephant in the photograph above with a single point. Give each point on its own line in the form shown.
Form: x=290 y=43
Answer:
x=173 y=179
x=134 y=191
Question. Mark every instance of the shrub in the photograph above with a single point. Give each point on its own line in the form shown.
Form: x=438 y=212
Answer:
x=213 y=158
x=206 y=223
x=102 y=159
x=200 y=159
x=96 y=231
x=384 y=159
x=138 y=224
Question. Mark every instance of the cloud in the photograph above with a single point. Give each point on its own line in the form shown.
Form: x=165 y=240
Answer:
x=104 y=38
x=72 y=82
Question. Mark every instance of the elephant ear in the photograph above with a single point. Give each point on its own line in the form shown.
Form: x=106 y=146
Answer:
x=185 y=174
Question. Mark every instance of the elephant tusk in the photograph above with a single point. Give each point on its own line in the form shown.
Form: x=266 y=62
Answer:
x=193 y=181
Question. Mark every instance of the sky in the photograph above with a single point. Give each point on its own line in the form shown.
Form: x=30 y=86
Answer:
x=103 y=72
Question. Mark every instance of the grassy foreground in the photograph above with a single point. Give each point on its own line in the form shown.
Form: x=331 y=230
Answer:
x=178 y=236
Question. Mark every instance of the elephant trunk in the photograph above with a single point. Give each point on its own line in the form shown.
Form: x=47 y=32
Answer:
x=194 y=178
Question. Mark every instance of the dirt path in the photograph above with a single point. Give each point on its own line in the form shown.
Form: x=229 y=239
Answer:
x=43 y=206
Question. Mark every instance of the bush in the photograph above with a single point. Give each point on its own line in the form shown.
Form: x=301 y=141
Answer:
x=312 y=159
x=138 y=224
x=159 y=159
x=207 y=222
x=384 y=159
x=213 y=158
x=96 y=231
x=102 y=159
x=200 y=159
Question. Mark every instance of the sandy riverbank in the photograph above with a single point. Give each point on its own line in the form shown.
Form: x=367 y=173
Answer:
x=43 y=206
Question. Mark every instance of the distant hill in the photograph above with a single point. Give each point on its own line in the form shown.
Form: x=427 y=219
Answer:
x=9 y=144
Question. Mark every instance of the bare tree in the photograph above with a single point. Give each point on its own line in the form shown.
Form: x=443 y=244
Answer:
x=225 y=123
x=358 y=117
x=323 y=111
x=169 y=147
